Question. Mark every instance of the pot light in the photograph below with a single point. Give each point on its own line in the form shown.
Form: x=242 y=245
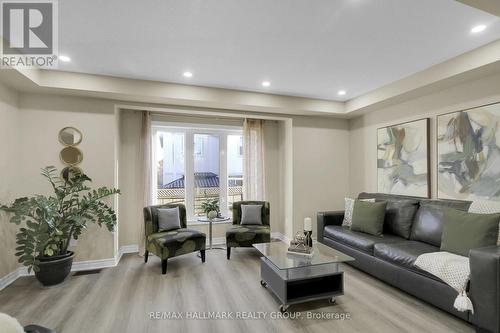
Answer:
x=187 y=74
x=64 y=58
x=266 y=83
x=341 y=92
x=478 y=29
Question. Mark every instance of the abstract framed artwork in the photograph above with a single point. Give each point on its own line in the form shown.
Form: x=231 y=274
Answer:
x=403 y=159
x=468 y=147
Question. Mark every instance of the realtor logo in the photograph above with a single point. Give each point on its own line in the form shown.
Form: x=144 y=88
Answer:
x=29 y=33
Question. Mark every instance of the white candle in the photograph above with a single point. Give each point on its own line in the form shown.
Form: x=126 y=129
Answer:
x=307 y=224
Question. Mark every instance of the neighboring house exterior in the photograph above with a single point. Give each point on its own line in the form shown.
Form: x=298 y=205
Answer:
x=171 y=168
x=206 y=153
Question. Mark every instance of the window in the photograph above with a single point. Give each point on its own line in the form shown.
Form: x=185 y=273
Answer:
x=199 y=144
x=193 y=164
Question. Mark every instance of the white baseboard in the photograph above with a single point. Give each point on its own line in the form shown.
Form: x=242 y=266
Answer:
x=77 y=266
x=134 y=248
x=109 y=262
x=93 y=264
x=9 y=278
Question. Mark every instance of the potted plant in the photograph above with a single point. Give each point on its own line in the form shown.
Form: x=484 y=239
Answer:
x=50 y=222
x=211 y=208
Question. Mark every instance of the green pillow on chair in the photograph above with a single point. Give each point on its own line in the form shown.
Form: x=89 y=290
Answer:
x=464 y=231
x=368 y=217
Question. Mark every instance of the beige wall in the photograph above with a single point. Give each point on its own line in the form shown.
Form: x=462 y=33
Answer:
x=9 y=174
x=362 y=143
x=42 y=116
x=320 y=167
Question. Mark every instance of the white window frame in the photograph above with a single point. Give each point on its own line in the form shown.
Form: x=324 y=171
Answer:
x=189 y=130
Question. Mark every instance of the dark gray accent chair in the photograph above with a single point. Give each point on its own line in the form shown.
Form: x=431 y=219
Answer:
x=246 y=235
x=391 y=257
x=172 y=243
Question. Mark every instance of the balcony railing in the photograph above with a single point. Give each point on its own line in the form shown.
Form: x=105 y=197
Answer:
x=177 y=195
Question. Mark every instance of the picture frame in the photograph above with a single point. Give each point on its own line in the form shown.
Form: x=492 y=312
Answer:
x=473 y=177
x=403 y=158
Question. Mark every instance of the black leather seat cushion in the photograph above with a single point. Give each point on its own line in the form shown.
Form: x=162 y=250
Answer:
x=404 y=254
x=359 y=240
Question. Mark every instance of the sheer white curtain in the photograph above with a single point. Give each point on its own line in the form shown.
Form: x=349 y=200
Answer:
x=253 y=166
x=146 y=198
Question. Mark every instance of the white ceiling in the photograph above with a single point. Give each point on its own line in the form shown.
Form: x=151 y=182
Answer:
x=303 y=47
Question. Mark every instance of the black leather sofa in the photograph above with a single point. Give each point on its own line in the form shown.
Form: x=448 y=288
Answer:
x=413 y=226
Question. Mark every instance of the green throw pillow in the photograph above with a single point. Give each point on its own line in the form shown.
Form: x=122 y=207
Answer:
x=368 y=217
x=464 y=231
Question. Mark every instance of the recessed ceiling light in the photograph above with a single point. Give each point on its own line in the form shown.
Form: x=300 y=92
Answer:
x=187 y=74
x=478 y=28
x=64 y=58
x=341 y=92
x=266 y=83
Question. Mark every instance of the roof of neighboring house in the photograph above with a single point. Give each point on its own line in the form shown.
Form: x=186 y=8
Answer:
x=201 y=179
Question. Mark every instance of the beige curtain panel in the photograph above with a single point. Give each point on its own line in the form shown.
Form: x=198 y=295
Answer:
x=146 y=153
x=253 y=165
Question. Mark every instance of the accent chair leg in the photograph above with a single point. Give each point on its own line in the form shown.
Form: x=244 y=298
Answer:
x=202 y=255
x=164 y=266
x=228 y=253
x=146 y=254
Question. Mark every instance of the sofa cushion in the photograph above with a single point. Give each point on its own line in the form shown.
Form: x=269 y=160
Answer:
x=349 y=207
x=463 y=231
x=359 y=240
x=399 y=217
x=403 y=253
x=457 y=204
x=428 y=225
x=368 y=217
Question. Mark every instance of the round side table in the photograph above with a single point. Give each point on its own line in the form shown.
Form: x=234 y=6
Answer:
x=210 y=222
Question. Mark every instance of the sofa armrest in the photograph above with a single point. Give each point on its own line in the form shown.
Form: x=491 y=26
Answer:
x=328 y=218
x=485 y=287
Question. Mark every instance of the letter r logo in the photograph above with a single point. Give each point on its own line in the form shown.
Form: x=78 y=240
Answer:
x=27 y=27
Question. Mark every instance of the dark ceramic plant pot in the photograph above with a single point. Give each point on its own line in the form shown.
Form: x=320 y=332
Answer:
x=54 y=270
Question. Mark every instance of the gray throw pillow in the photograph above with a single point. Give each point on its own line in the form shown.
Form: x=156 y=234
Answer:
x=251 y=214
x=168 y=219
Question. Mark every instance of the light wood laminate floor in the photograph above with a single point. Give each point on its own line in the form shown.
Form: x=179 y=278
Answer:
x=121 y=299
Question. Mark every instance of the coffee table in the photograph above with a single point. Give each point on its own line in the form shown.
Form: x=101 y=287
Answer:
x=295 y=278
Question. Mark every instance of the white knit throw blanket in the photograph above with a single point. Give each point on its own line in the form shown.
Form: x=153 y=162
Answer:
x=453 y=269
